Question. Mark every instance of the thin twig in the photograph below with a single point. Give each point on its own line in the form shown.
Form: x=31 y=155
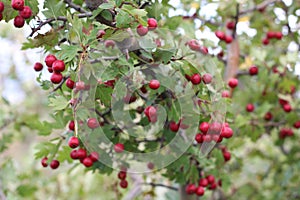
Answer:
x=75 y=6
x=162 y=185
x=260 y=6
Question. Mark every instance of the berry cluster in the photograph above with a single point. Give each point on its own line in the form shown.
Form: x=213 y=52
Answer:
x=122 y=176
x=54 y=164
x=195 y=46
x=222 y=36
x=272 y=35
x=25 y=12
x=196 y=78
x=142 y=30
x=208 y=182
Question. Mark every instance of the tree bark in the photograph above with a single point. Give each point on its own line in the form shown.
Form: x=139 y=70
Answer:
x=233 y=57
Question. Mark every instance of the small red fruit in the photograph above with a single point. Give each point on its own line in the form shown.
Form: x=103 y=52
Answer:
x=72 y=125
x=70 y=83
x=109 y=43
x=210 y=179
x=204 y=127
x=87 y=162
x=220 y=34
x=270 y=35
x=250 y=107
x=203 y=182
x=44 y=162
x=81 y=153
x=196 y=79
x=213 y=186
x=1 y=7
x=265 y=41
x=80 y=85
x=226 y=155
x=225 y=94
x=119 y=148
x=73 y=142
x=56 y=77
x=74 y=154
x=228 y=39
x=123 y=184
x=92 y=123
x=151 y=114
x=226 y=132
x=297 y=124
x=38 y=66
x=54 y=164
x=233 y=82
x=17 y=4
x=94 y=156
x=122 y=175
x=190 y=188
x=207 y=138
x=150 y=165
x=174 y=126
x=26 y=12
x=278 y=35
x=141 y=30
x=268 y=116
x=19 y=22
x=200 y=191
x=100 y=34
x=230 y=25
x=207 y=78
x=154 y=84
x=253 y=70
x=152 y=24
x=199 y=138
x=49 y=60
x=194 y=45
x=287 y=107
x=58 y=66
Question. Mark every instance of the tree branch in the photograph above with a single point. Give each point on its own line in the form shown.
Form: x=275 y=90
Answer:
x=75 y=6
x=162 y=185
x=260 y=6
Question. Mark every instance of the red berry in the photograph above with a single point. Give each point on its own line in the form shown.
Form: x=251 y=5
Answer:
x=268 y=116
x=92 y=123
x=19 y=22
x=283 y=102
x=100 y=34
x=207 y=138
x=278 y=35
x=49 y=60
x=17 y=4
x=152 y=24
x=226 y=155
x=196 y=79
x=207 y=78
x=80 y=85
x=141 y=30
x=230 y=25
x=123 y=184
x=250 y=107
x=50 y=69
x=58 y=66
x=220 y=54
x=220 y=34
x=210 y=179
x=54 y=164
x=174 y=126
x=225 y=94
x=253 y=70
x=226 y=132
x=199 y=138
x=81 y=153
x=154 y=84
x=204 y=50
x=38 y=66
x=297 y=124
x=228 y=39
x=73 y=142
x=26 y=12
x=190 y=188
x=233 y=82
x=270 y=35
x=122 y=175
x=119 y=148
x=150 y=112
x=44 y=162
x=72 y=125
x=70 y=83
x=213 y=186
x=265 y=41
x=74 y=154
x=287 y=108
x=94 y=156
x=109 y=43
x=150 y=165
x=194 y=45
x=203 y=182
x=1 y=7
x=203 y=127
x=200 y=191
x=87 y=162
x=56 y=77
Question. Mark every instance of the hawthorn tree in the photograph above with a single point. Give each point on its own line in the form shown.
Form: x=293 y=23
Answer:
x=138 y=89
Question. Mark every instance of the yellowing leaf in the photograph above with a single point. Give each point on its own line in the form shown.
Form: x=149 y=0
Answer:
x=195 y=5
x=244 y=19
x=248 y=62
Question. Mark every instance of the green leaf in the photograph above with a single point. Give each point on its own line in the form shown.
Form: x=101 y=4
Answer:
x=123 y=20
x=108 y=5
x=164 y=55
x=26 y=190
x=58 y=103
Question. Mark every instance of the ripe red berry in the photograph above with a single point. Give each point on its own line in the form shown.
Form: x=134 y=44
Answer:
x=94 y=156
x=199 y=138
x=119 y=148
x=58 y=66
x=220 y=54
x=122 y=175
x=268 y=116
x=194 y=45
x=230 y=25
x=233 y=82
x=253 y=70
x=44 y=162
x=50 y=69
x=151 y=114
x=210 y=179
x=1 y=7
x=123 y=184
x=265 y=41
x=190 y=188
x=200 y=191
x=49 y=60
x=80 y=85
x=174 y=126
x=220 y=34
x=141 y=30
x=204 y=127
x=287 y=107
x=152 y=24
x=109 y=43
x=226 y=155
x=38 y=66
x=92 y=123
x=17 y=4
x=278 y=35
x=226 y=132
x=26 y=12
x=225 y=94
x=74 y=154
x=100 y=34
x=250 y=107
x=207 y=138
x=87 y=162
x=203 y=182
x=81 y=153
x=204 y=50
x=154 y=84
x=297 y=124
x=228 y=39
x=270 y=35
x=72 y=125
x=54 y=164
x=56 y=77
x=19 y=22
x=73 y=142
x=213 y=186
x=196 y=79
x=150 y=165
x=282 y=102
x=207 y=78
x=70 y=83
